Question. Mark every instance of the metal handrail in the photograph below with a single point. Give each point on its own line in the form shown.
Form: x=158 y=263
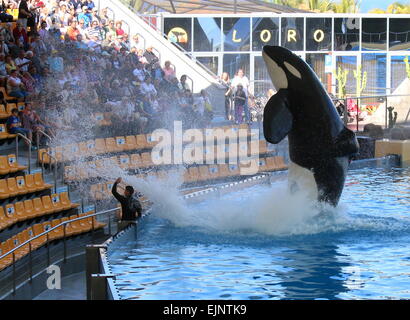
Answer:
x=55 y=167
x=192 y=82
x=64 y=224
x=189 y=54
x=29 y=149
x=43 y=133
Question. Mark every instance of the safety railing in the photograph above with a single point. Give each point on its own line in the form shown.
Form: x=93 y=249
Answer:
x=29 y=149
x=38 y=132
x=192 y=82
x=187 y=53
x=46 y=233
x=55 y=167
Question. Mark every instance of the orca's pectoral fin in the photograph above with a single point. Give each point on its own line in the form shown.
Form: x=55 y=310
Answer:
x=277 y=119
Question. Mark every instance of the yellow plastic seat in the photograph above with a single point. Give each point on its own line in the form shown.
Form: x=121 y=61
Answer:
x=3 y=132
x=4 y=165
x=43 y=157
x=130 y=143
x=264 y=165
x=75 y=227
x=13 y=164
x=7 y=260
x=280 y=163
x=120 y=142
x=224 y=171
x=66 y=202
x=38 y=208
x=141 y=141
x=40 y=241
x=21 y=185
x=100 y=147
x=3 y=113
x=66 y=230
x=40 y=184
x=57 y=233
x=4 y=190
x=233 y=170
x=29 y=182
x=29 y=209
x=203 y=173
x=56 y=203
x=213 y=171
x=85 y=223
x=110 y=145
x=10 y=106
x=47 y=204
x=194 y=174
x=12 y=186
x=19 y=211
x=5 y=221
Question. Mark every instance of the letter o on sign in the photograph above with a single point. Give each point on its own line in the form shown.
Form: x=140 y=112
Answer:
x=265 y=35
x=318 y=35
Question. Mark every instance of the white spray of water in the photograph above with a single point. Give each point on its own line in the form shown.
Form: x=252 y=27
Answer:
x=270 y=210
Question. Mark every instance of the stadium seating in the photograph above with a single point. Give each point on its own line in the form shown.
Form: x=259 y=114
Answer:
x=72 y=229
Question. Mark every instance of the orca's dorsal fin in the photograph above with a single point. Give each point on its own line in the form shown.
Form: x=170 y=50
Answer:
x=277 y=118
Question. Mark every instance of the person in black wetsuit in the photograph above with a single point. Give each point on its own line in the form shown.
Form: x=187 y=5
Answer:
x=130 y=206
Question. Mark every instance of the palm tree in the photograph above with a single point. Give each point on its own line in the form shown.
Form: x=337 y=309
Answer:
x=347 y=6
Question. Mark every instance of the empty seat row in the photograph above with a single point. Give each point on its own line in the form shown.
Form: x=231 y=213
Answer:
x=5 y=112
x=9 y=164
x=134 y=161
x=72 y=228
x=102 y=191
x=34 y=208
x=30 y=183
x=95 y=147
x=100 y=146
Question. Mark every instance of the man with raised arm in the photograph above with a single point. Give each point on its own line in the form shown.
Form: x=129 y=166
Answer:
x=130 y=207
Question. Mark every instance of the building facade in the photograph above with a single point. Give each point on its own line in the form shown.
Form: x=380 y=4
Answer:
x=375 y=44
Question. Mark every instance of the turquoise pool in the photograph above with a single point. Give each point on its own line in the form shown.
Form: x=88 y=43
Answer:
x=359 y=251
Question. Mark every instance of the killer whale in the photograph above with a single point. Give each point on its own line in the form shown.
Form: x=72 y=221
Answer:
x=301 y=109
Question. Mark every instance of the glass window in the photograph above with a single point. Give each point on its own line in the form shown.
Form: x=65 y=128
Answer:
x=347 y=34
x=207 y=34
x=236 y=34
x=292 y=33
x=178 y=31
x=374 y=33
x=398 y=72
x=318 y=34
x=348 y=63
x=262 y=81
x=210 y=62
x=317 y=62
x=233 y=62
x=375 y=66
x=399 y=29
x=265 y=31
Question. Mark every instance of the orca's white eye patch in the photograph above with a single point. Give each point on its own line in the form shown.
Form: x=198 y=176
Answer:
x=292 y=70
x=276 y=73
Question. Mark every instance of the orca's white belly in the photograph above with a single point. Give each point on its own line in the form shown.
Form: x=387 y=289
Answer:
x=302 y=180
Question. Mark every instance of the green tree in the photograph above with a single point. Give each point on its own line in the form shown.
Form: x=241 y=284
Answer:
x=395 y=7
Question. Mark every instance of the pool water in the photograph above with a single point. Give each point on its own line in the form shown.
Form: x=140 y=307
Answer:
x=359 y=251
